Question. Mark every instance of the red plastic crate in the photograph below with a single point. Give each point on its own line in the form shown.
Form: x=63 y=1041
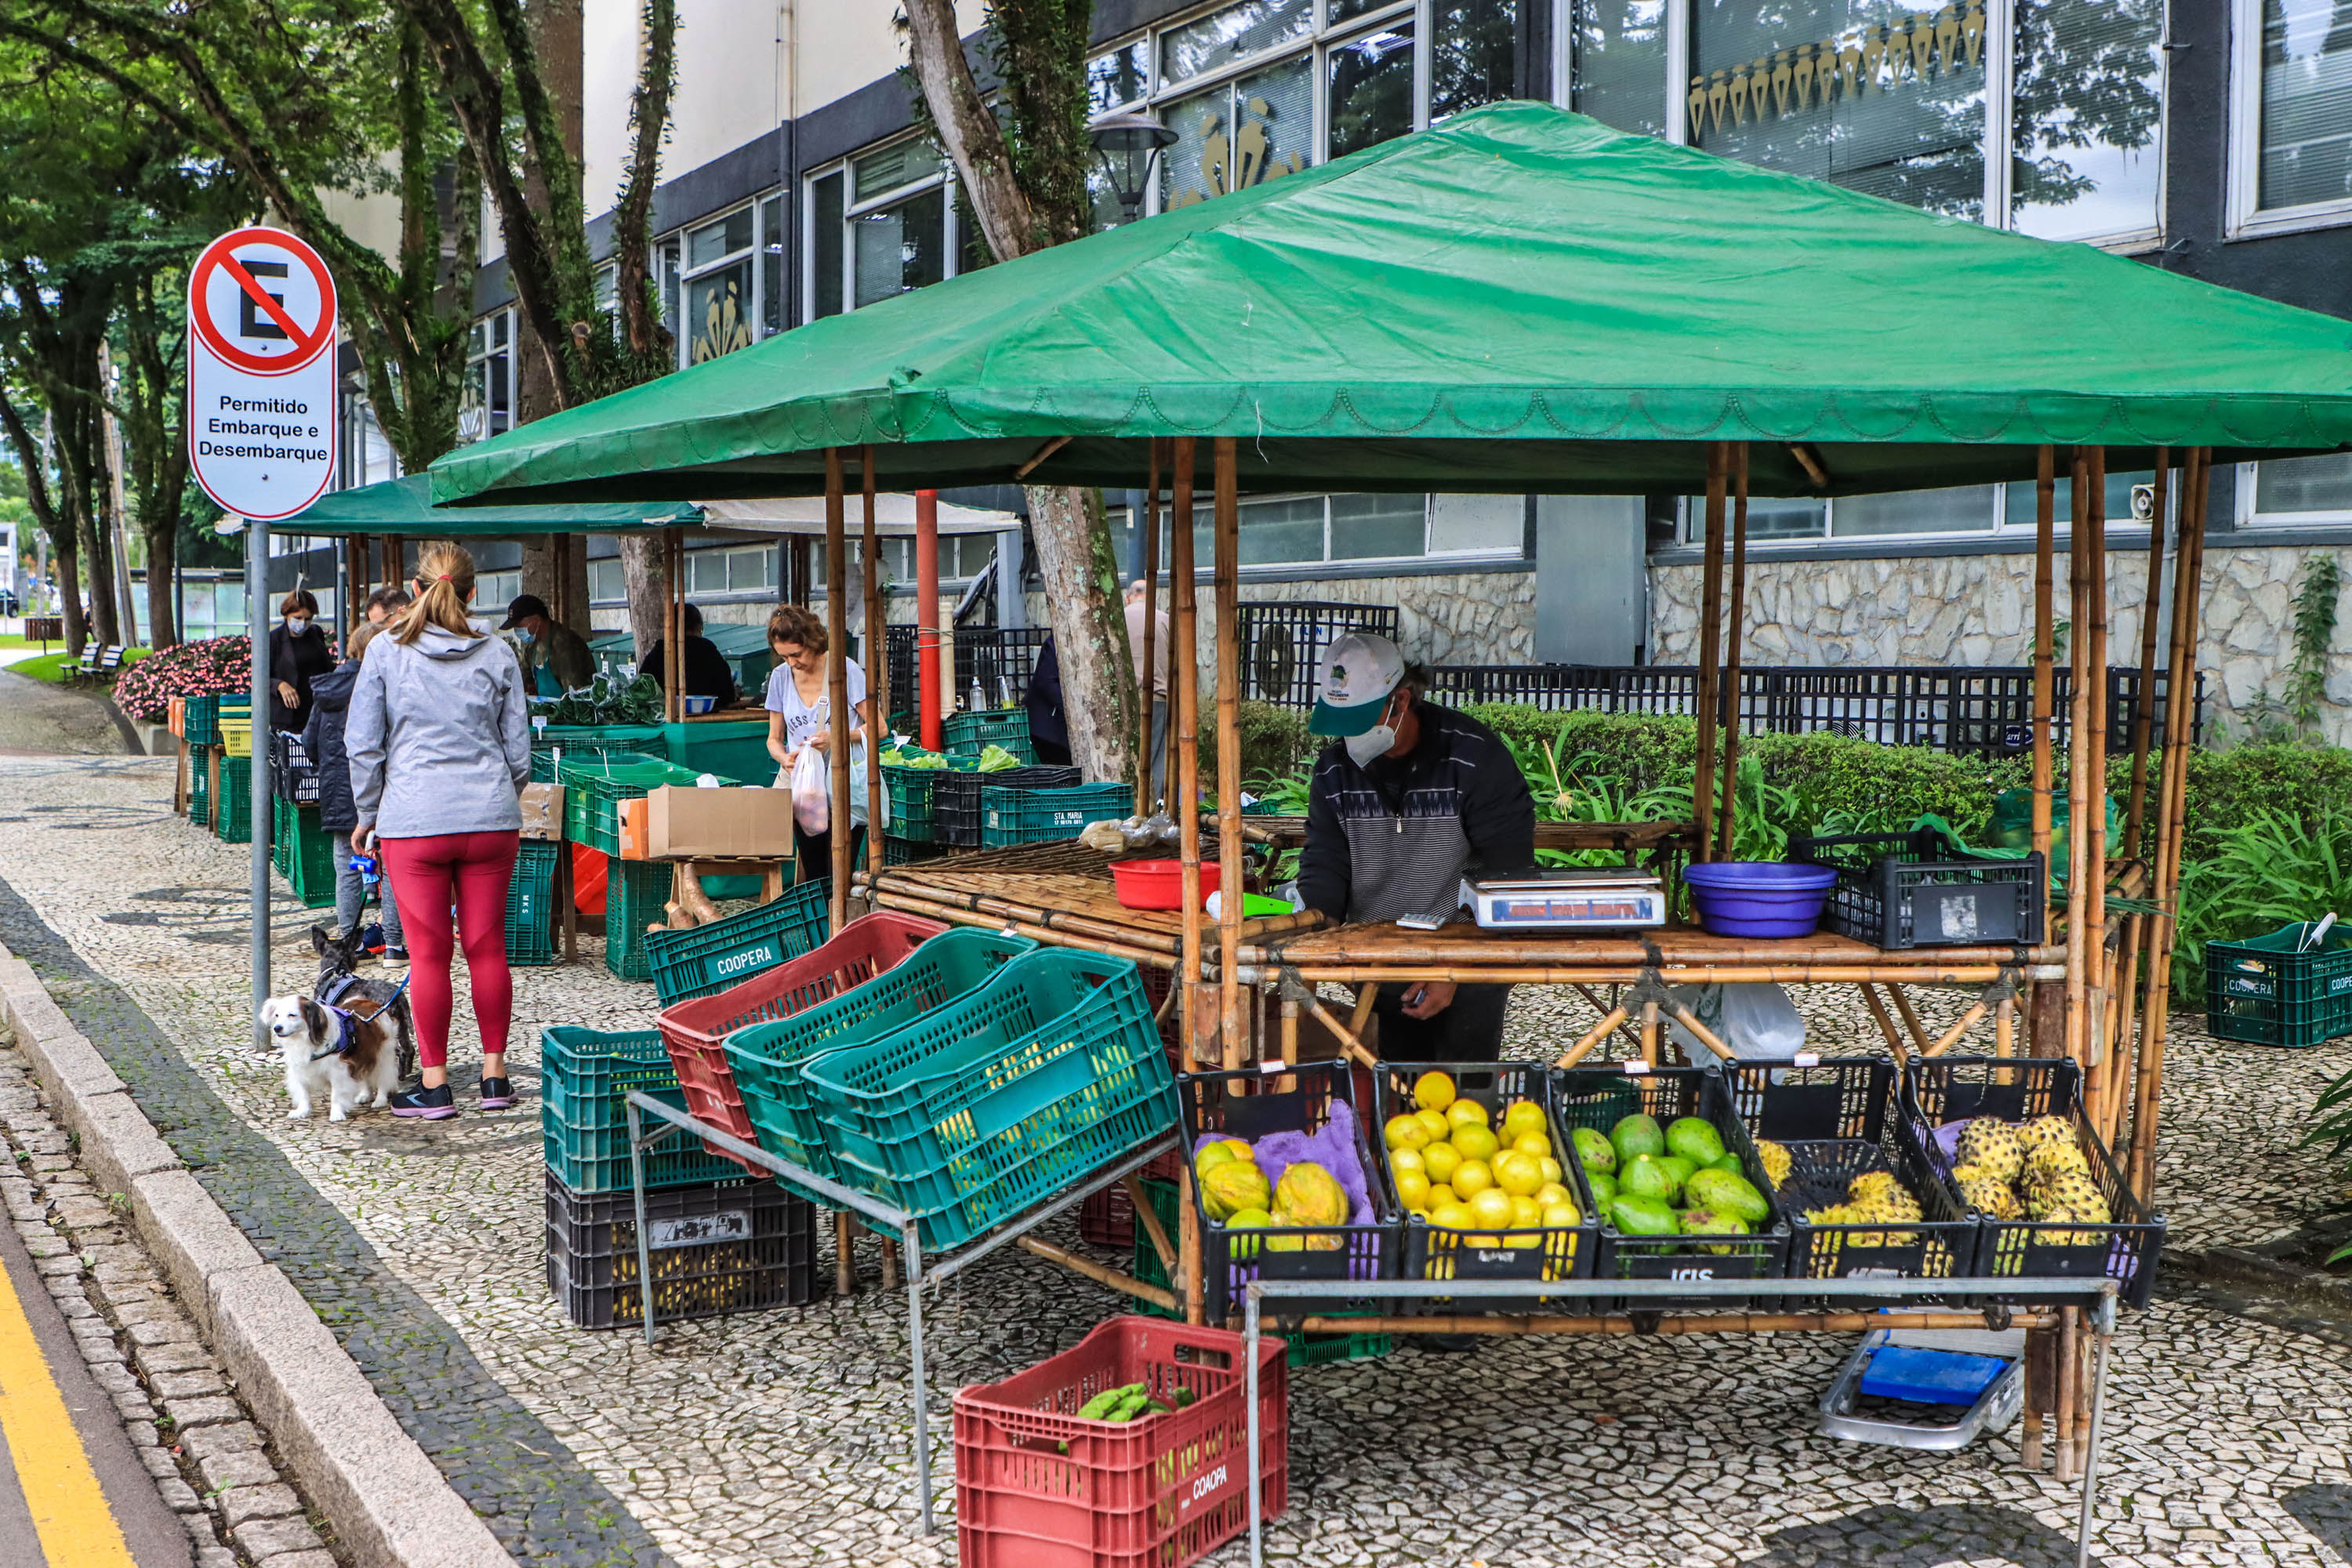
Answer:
x=1107 y=1218
x=1163 y=1492
x=694 y=1030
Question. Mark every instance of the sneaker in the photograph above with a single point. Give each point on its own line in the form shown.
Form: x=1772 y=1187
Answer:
x=395 y=958
x=432 y=1104
x=497 y=1093
x=371 y=938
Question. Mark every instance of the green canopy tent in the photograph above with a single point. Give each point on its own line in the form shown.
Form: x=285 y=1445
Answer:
x=1518 y=297
x=404 y=508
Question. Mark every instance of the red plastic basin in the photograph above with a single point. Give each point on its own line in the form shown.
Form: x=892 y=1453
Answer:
x=1158 y=884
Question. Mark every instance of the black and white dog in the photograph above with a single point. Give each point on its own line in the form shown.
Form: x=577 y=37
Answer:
x=348 y=1057
x=340 y=984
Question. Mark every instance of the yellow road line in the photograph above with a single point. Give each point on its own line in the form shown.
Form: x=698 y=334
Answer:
x=69 y=1513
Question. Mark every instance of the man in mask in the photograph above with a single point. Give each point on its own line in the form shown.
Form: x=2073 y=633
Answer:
x=1413 y=798
x=555 y=658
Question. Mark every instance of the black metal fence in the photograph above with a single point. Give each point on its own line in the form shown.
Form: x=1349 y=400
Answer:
x=1973 y=711
x=1002 y=659
x=1283 y=644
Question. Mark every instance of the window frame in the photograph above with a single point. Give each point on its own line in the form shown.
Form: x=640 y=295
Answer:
x=1690 y=525
x=951 y=237
x=676 y=277
x=2246 y=513
x=1370 y=564
x=2244 y=217
x=489 y=350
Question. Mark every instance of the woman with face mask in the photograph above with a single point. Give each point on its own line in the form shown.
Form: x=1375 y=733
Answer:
x=297 y=654
x=1412 y=798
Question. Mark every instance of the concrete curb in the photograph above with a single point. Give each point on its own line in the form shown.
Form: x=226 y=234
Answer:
x=386 y=1501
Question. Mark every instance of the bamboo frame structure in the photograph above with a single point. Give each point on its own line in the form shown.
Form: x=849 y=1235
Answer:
x=1186 y=665
x=1710 y=632
x=1727 y=830
x=877 y=667
x=1143 y=802
x=2045 y=693
x=1231 y=897
x=837 y=632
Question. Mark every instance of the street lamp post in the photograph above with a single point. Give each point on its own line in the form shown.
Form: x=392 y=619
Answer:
x=1128 y=145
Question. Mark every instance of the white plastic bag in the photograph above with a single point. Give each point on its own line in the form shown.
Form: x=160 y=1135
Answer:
x=812 y=784
x=1755 y=1018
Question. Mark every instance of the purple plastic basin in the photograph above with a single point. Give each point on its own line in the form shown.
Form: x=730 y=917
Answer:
x=1758 y=898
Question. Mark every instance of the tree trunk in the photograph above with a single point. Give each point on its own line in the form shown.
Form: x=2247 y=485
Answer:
x=1089 y=619
x=967 y=130
x=68 y=577
x=641 y=575
x=163 y=536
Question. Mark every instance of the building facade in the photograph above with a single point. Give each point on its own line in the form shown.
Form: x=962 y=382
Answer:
x=2212 y=138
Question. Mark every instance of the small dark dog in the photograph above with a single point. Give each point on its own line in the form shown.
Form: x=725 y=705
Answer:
x=339 y=982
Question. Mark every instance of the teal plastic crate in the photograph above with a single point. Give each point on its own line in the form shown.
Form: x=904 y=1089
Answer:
x=2267 y=991
x=707 y=959
x=530 y=904
x=767 y=1060
x=309 y=855
x=996 y=1101
x=585 y=1127
x=205 y=716
x=969 y=734
x=280 y=846
x=200 y=786
x=232 y=806
x=911 y=792
x=1046 y=815
x=636 y=895
x=1305 y=1349
x=732 y=749
x=593 y=788
x=578 y=742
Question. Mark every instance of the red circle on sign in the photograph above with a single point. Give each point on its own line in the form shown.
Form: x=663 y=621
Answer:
x=221 y=254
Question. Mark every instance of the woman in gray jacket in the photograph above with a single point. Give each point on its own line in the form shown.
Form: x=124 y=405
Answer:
x=439 y=743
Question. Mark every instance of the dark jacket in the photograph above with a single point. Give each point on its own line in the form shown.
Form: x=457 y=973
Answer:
x=296 y=661
x=322 y=739
x=1397 y=837
x=1047 y=723
x=708 y=673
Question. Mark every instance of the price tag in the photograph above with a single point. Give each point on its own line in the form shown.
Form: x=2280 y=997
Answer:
x=1636 y=1067
x=1273 y=1067
x=1807 y=1059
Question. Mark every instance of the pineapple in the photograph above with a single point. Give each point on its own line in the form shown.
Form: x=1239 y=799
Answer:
x=1776 y=1161
x=1993 y=1147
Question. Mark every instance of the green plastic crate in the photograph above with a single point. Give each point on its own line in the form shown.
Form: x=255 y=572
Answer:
x=897 y=851
x=583 y=1124
x=636 y=895
x=530 y=904
x=707 y=959
x=307 y=853
x=969 y=734
x=1304 y=1350
x=581 y=742
x=200 y=785
x=910 y=798
x=281 y=846
x=205 y=716
x=233 y=811
x=1047 y=815
x=2266 y=991
x=595 y=787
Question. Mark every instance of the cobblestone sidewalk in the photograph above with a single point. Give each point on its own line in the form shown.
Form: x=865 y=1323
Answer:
x=782 y=1436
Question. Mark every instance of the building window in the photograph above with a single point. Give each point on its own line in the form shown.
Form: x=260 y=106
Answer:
x=1616 y=63
x=494 y=591
x=885 y=223
x=1370 y=80
x=607 y=585
x=1289 y=531
x=772 y=265
x=2086 y=119
x=2291 y=114
x=485 y=406
x=737 y=570
x=1980 y=512
x=2298 y=490
x=728 y=277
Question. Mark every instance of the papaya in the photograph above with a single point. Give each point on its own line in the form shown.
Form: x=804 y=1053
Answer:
x=1311 y=1196
x=1603 y=1185
x=1235 y=1185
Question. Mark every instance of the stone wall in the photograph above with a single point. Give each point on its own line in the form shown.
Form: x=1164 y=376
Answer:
x=1978 y=610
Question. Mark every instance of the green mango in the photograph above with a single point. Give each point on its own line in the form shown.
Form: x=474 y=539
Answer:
x=1642 y=1216
x=1730 y=1162
x=1637 y=1134
x=1593 y=1151
x=1603 y=1185
x=1695 y=1140
x=1644 y=1178
x=1713 y=1223
x=1679 y=1168
x=1729 y=1193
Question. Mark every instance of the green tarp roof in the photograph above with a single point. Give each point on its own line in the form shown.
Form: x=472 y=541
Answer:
x=405 y=506
x=1519 y=298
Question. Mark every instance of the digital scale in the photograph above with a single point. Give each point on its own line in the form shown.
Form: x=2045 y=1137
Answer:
x=1569 y=898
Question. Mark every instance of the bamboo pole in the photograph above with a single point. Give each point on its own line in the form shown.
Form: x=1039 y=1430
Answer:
x=1613 y=1020
x=1917 y=1030
x=836 y=629
x=2078 y=803
x=1184 y=665
x=1710 y=646
x=1149 y=1219
x=1100 y=1273
x=1951 y=1036
x=1233 y=1027
x=878 y=667
x=2180 y=701
x=673 y=593
x=2045 y=695
x=1348 y=1040
x=1143 y=797
x=1605 y=1008
x=2092 y=530
x=1894 y=1041
x=2068 y=1368
x=1650 y=1033
x=1727 y=833
x=2144 y=703
x=2004 y=1028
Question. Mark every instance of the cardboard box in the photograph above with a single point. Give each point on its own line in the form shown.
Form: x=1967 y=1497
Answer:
x=740 y=822
x=542 y=811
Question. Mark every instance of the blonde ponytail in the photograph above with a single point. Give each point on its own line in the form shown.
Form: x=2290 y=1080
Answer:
x=444 y=576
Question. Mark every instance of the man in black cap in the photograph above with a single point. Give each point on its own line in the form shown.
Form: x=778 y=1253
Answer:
x=555 y=658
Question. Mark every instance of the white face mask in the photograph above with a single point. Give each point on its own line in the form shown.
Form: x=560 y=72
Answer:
x=297 y=625
x=1374 y=744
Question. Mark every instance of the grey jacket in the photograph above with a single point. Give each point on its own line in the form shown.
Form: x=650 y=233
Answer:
x=438 y=736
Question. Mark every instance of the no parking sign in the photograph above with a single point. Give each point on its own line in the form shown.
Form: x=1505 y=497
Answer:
x=261 y=374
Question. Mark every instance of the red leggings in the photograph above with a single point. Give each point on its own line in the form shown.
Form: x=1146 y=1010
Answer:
x=469 y=872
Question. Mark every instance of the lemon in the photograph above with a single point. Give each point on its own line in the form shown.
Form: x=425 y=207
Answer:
x=1406 y=1159
x=1432 y=1091
x=1453 y=1216
x=1551 y=1170
x=1518 y=1174
x=1467 y=1113
x=1552 y=1192
x=1471 y=1177
x=1491 y=1207
x=1524 y=1240
x=1210 y=1157
x=1436 y=1123
x=1526 y=1213
x=1404 y=1130
x=1412 y=1189
x=1560 y=1215
x=1440 y=1195
x=1473 y=1143
x=1534 y=1145
x=1522 y=1116
x=1439 y=1160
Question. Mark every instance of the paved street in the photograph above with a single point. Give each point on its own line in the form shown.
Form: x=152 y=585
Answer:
x=782 y=1436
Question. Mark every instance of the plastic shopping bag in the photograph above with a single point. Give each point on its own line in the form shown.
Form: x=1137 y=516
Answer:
x=812 y=784
x=1755 y=1018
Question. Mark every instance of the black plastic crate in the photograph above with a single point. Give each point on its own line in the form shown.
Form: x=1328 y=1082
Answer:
x=1435 y=1252
x=1838 y=1120
x=292 y=774
x=1941 y=1089
x=956 y=802
x=1598 y=1098
x=1248 y=1104
x=1899 y=890
x=728 y=1247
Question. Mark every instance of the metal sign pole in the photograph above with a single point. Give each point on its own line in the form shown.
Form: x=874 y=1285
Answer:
x=256 y=594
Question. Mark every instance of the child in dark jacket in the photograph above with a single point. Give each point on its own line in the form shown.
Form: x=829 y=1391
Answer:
x=322 y=740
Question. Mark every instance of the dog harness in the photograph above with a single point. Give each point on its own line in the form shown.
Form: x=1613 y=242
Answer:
x=341 y=1044
x=342 y=1017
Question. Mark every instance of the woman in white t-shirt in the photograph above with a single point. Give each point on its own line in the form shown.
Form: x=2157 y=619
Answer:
x=800 y=714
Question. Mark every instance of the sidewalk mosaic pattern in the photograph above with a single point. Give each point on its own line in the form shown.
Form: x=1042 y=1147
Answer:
x=783 y=1435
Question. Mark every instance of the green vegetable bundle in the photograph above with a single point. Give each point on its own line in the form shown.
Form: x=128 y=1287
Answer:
x=605 y=700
